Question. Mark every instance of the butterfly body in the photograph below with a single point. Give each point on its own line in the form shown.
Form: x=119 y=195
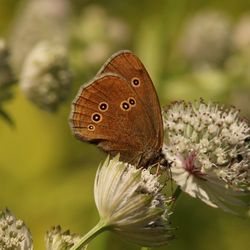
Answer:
x=119 y=111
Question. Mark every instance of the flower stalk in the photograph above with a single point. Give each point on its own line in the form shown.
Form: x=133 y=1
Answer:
x=96 y=230
x=177 y=193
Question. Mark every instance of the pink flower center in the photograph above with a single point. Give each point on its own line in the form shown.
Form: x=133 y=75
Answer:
x=189 y=165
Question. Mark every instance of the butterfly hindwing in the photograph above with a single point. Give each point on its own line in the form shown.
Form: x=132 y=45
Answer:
x=107 y=112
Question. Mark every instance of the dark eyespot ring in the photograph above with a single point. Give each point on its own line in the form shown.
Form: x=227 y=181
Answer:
x=135 y=81
x=91 y=127
x=131 y=101
x=125 y=106
x=96 y=117
x=103 y=106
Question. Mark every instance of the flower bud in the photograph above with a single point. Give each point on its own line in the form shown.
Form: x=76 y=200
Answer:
x=57 y=240
x=13 y=233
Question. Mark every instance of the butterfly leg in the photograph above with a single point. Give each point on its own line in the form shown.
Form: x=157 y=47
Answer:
x=158 y=169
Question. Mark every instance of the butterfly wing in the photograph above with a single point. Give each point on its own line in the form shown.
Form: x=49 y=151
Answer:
x=107 y=112
x=129 y=66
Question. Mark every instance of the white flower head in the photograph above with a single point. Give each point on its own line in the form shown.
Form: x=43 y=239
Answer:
x=13 y=232
x=209 y=147
x=130 y=202
x=46 y=79
x=56 y=239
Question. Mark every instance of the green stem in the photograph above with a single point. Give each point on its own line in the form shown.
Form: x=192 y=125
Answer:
x=145 y=248
x=175 y=196
x=100 y=227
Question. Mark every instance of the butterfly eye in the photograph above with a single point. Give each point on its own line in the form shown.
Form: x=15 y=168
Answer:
x=239 y=158
x=135 y=81
x=247 y=139
x=103 y=106
x=125 y=106
x=96 y=117
x=131 y=101
x=91 y=127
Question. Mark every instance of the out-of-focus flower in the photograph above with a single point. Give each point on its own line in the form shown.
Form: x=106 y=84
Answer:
x=95 y=53
x=55 y=239
x=206 y=39
x=46 y=79
x=209 y=147
x=204 y=82
x=130 y=203
x=97 y=35
x=119 y=31
x=38 y=20
x=6 y=74
x=96 y=25
x=238 y=64
x=13 y=233
x=241 y=35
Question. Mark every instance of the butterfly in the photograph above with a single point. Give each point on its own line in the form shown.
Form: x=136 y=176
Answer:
x=119 y=111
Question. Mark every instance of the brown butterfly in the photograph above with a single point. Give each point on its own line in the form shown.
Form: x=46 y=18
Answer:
x=119 y=111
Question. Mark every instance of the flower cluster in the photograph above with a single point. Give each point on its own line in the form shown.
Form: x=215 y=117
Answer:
x=209 y=147
x=13 y=233
x=46 y=79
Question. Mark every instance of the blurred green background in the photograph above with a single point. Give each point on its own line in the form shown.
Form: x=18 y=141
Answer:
x=46 y=175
